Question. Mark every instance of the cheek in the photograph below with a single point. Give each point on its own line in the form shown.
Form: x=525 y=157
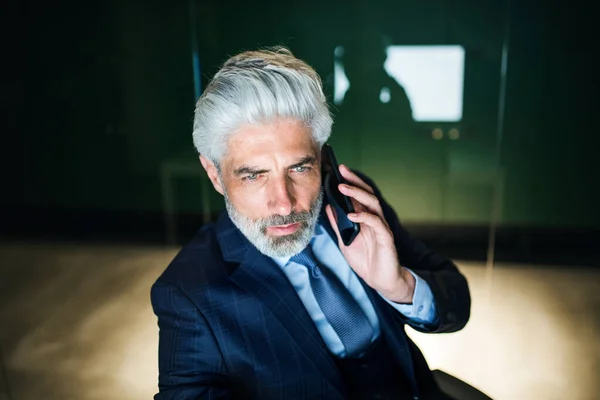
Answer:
x=307 y=194
x=250 y=203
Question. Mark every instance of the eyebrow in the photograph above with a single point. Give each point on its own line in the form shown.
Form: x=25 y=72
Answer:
x=303 y=161
x=244 y=169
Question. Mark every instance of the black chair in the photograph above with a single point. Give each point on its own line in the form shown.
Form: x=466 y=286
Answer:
x=457 y=389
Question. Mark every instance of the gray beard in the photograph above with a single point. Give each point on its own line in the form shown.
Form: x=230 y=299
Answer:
x=277 y=246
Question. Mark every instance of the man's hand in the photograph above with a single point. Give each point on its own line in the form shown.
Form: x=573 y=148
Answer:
x=372 y=254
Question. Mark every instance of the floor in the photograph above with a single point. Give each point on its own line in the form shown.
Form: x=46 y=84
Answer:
x=76 y=323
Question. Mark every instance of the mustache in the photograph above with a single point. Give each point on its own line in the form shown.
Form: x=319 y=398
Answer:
x=292 y=218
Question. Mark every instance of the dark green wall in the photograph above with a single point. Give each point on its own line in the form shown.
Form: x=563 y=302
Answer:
x=109 y=96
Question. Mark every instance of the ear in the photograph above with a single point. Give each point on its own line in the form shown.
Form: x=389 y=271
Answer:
x=213 y=173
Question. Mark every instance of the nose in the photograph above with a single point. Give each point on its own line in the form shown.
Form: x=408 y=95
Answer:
x=282 y=199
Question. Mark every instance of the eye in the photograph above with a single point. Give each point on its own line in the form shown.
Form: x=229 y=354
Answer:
x=301 y=169
x=251 y=177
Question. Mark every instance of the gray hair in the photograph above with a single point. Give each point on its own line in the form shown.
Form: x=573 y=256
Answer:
x=255 y=87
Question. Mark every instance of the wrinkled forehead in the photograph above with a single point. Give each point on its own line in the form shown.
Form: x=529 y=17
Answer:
x=277 y=140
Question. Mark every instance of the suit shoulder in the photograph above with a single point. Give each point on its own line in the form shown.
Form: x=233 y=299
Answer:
x=198 y=264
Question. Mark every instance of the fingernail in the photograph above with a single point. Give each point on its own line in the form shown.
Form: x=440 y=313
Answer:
x=352 y=215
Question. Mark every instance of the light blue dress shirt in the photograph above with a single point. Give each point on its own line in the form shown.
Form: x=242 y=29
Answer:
x=421 y=312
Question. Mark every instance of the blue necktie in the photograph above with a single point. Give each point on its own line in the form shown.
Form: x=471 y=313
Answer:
x=339 y=307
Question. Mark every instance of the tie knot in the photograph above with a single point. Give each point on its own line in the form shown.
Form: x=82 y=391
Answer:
x=307 y=258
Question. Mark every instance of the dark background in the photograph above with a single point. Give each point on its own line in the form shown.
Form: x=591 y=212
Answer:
x=100 y=95
x=99 y=174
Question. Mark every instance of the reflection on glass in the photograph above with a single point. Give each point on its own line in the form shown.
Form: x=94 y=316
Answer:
x=432 y=77
x=385 y=95
x=341 y=83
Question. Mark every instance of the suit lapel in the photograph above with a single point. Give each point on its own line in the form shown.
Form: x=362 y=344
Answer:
x=391 y=331
x=259 y=275
x=389 y=326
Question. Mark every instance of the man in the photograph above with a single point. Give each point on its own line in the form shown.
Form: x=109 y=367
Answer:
x=268 y=303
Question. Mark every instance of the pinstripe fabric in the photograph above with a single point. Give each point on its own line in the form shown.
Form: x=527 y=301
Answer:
x=232 y=326
x=237 y=332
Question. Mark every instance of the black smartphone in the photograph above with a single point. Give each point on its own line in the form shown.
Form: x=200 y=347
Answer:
x=342 y=204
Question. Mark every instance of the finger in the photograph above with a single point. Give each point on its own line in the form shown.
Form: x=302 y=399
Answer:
x=373 y=221
x=333 y=221
x=354 y=179
x=366 y=199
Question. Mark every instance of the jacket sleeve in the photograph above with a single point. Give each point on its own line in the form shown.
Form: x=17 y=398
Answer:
x=190 y=362
x=449 y=287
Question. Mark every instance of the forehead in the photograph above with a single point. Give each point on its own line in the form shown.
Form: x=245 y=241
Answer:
x=278 y=138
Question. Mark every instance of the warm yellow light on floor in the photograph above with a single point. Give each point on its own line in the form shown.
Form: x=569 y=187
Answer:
x=85 y=329
x=530 y=335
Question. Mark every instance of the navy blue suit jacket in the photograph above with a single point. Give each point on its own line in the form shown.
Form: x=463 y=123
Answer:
x=232 y=326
